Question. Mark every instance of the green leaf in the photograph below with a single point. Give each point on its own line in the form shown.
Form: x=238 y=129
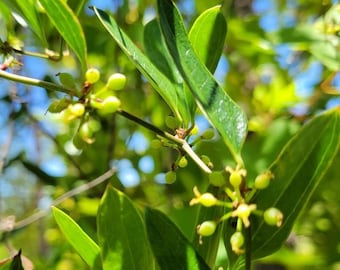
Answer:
x=68 y=26
x=28 y=10
x=225 y=115
x=121 y=233
x=156 y=50
x=171 y=249
x=165 y=87
x=16 y=263
x=207 y=36
x=298 y=170
x=80 y=241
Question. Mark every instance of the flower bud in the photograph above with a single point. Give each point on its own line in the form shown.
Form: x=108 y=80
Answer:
x=236 y=242
x=208 y=199
x=235 y=179
x=263 y=180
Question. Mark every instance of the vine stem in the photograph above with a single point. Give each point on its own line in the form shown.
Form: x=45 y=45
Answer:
x=35 y=82
x=185 y=146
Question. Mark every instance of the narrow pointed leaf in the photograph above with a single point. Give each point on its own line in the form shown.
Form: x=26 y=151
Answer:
x=161 y=83
x=298 y=170
x=224 y=114
x=16 y=263
x=68 y=26
x=121 y=233
x=207 y=36
x=170 y=247
x=80 y=241
x=157 y=51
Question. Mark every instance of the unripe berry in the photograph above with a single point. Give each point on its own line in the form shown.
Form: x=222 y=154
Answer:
x=116 y=81
x=77 y=109
x=217 y=179
x=273 y=216
x=208 y=199
x=208 y=134
x=262 y=181
x=183 y=162
x=96 y=103
x=235 y=179
x=236 y=242
x=207 y=228
x=92 y=75
x=170 y=177
x=110 y=105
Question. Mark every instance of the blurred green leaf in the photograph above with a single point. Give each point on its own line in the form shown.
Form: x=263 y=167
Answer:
x=156 y=50
x=28 y=10
x=165 y=87
x=225 y=115
x=68 y=26
x=207 y=36
x=80 y=241
x=121 y=233
x=171 y=249
x=297 y=171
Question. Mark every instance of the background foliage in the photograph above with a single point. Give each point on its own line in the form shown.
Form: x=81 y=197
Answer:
x=280 y=63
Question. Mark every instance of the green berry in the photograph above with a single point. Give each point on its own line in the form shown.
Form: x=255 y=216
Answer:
x=170 y=177
x=208 y=199
x=273 y=216
x=235 y=179
x=77 y=109
x=207 y=228
x=236 y=242
x=66 y=79
x=116 y=81
x=262 y=181
x=110 y=105
x=217 y=179
x=183 y=162
x=92 y=75
x=208 y=134
x=96 y=103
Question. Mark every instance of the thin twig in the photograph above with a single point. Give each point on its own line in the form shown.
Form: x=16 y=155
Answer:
x=42 y=213
x=184 y=145
x=36 y=82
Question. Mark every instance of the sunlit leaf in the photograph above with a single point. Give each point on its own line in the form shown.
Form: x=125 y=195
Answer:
x=165 y=87
x=297 y=171
x=67 y=24
x=121 y=234
x=225 y=115
x=171 y=249
x=80 y=241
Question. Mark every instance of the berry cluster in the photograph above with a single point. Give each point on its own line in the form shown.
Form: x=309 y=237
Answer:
x=94 y=96
x=238 y=204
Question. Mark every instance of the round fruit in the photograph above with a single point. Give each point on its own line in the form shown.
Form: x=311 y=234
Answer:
x=208 y=199
x=110 y=105
x=170 y=177
x=207 y=228
x=92 y=75
x=183 y=162
x=235 y=179
x=208 y=134
x=77 y=109
x=116 y=81
x=273 y=216
x=236 y=241
x=262 y=181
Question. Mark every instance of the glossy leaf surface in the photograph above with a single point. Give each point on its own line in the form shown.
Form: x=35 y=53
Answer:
x=68 y=26
x=121 y=233
x=224 y=114
x=297 y=171
x=165 y=87
x=171 y=249
x=80 y=241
